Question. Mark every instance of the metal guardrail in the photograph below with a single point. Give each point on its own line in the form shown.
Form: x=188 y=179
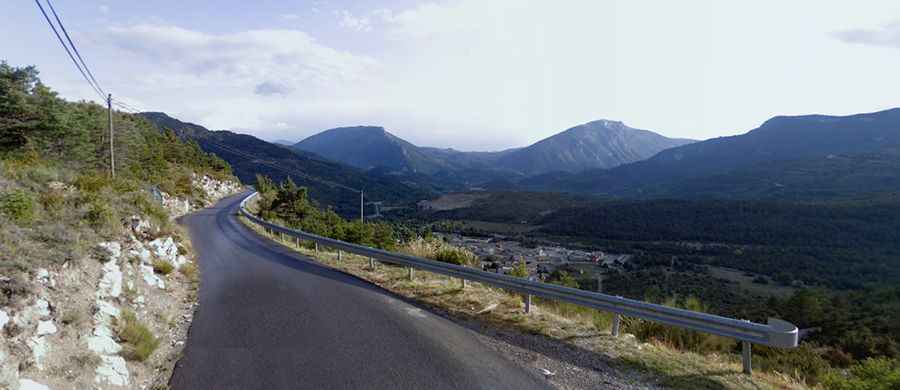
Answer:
x=775 y=333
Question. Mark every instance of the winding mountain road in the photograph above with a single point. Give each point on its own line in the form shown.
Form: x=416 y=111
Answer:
x=270 y=318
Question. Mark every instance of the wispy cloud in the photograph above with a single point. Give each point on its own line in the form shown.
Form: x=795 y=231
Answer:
x=247 y=58
x=348 y=20
x=885 y=36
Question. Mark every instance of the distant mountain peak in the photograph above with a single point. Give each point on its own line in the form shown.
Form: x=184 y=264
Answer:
x=601 y=143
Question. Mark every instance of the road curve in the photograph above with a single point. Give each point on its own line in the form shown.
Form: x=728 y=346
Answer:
x=270 y=318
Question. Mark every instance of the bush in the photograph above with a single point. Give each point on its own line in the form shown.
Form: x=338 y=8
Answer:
x=675 y=337
x=520 y=270
x=804 y=362
x=92 y=182
x=189 y=271
x=139 y=342
x=458 y=256
x=101 y=217
x=870 y=374
x=18 y=205
x=162 y=267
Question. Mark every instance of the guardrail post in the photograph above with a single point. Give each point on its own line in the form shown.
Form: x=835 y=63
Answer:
x=371 y=262
x=282 y=237
x=464 y=283
x=527 y=303
x=410 y=273
x=617 y=321
x=317 y=248
x=298 y=242
x=340 y=255
x=746 y=358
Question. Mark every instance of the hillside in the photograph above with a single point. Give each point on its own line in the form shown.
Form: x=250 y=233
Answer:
x=368 y=147
x=250 y=156
x=778 y=139
x=97 y=281
x=835 y=176
x=599 y=144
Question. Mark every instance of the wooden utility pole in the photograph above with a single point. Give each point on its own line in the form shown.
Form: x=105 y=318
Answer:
x=112 y=152
x=362 y=215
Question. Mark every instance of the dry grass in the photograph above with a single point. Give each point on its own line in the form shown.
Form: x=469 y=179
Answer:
x=162 y=267
x=560 y=321
x=138 y=341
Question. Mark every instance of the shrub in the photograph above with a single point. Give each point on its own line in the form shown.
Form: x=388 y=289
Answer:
x=804 y=362
x=139 y=342
x=870 y=374
x=100 y=217
x=675 y=337
x=52 y=200
x=189 y=271
x=162 y=267
x=520 y=270
x=18 y=205
x=458 y=256
x=92 y=182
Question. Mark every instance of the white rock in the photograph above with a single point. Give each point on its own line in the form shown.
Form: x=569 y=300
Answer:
x=139 y=226
x=39 y=350
x=112 y=370
x=111 y=281
x=164 y=249
x=105 y=311
x=151 y=278
x=44 y=277
x=31 y=314
x=9 y=372
x=46 y=328
x=114 y=249
x=4 y=318
x=103 y=345
x=28 y=384
x=180 y=261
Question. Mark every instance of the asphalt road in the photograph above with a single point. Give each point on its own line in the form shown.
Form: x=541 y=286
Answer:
x=270 y=318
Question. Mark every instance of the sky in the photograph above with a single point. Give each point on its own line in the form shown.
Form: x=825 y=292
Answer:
x=471 y=74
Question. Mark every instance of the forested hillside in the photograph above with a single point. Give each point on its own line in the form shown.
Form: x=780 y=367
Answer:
x=329 y=183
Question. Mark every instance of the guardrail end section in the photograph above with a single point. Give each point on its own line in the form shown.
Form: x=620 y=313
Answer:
x=783 y=334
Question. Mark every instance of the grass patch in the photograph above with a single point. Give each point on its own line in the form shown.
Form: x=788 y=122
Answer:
x=138 y=341
x=162 y=267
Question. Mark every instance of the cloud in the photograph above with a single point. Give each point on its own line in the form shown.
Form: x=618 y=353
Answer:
x=103 y=9
x=269 y=88
x=244 y=58
x=347 y=20
x=289 y=16
x=886 y=36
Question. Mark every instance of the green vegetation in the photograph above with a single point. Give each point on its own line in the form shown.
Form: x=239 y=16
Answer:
x=162 y=267
x=290 y=205
x=138 y=341
x=871 y=374
x=57 y=198
x=18 y=205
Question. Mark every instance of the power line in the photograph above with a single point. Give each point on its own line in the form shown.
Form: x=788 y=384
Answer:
x=75 y=48
x=74 y=61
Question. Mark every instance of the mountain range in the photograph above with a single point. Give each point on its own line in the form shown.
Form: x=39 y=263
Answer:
x=598 y=144
x=787 y=157
x=780 y=145
x=329 y=182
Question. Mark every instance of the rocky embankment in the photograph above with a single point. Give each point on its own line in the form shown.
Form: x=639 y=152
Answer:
x=115 y=320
